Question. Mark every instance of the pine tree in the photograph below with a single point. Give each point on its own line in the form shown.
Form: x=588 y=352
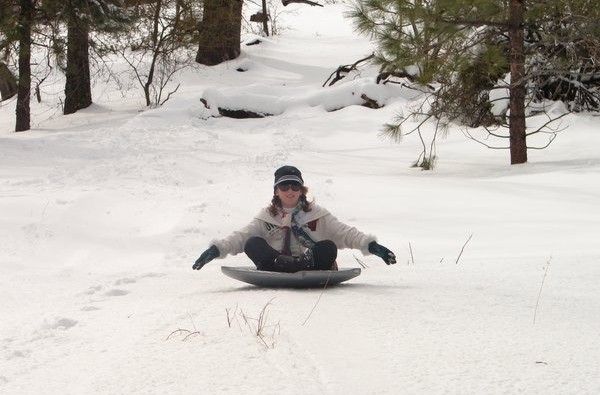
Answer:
x=81 y=17
x=517 y=123
x=24 y=26
x=564 y=42
x=465 y=46
x=78 y=91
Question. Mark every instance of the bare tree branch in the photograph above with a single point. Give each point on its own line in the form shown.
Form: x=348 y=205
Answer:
x=286 y=2
x=341 y=71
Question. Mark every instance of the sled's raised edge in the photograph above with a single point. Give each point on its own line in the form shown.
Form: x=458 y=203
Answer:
x=302 y=279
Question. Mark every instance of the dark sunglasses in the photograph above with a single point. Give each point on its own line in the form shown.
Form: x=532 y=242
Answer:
x=286 y=187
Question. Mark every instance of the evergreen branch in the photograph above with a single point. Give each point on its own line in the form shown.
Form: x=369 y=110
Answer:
x=473 y=22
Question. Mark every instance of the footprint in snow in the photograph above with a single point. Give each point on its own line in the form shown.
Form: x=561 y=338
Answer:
x=18 y=354
x=126 y=280
x=116 y=292
x=62 y=323
x=93 y=290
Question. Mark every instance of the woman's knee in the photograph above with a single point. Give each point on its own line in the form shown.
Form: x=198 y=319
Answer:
x=326 y=247
x=254 y=244
x=325 y=254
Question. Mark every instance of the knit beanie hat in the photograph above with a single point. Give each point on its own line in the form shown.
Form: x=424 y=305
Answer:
x=288 y=174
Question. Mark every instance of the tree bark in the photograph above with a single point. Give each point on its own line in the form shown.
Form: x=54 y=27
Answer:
x=220 y=31
x=78 y=91
x=517 y=127
x=23 y=112
x=266 y=18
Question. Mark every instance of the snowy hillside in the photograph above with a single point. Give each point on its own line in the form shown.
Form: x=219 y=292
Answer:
x=104 y=212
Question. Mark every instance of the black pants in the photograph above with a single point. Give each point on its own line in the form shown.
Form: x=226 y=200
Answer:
x=263 y=255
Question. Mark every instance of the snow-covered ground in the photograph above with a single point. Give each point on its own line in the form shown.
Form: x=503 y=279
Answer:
x=104 y=212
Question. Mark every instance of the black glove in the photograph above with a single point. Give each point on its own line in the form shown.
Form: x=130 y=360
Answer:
x=206 y=257
x=382 y=252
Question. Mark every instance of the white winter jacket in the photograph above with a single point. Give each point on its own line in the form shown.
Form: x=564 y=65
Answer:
x=318 y=223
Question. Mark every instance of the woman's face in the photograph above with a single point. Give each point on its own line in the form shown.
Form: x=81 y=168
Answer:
x=289 y=194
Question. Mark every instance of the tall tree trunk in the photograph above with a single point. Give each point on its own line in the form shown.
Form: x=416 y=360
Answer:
x=517 y=127
x=23 y=113
x=78 y=91
x=220 y=31
x=265 y=18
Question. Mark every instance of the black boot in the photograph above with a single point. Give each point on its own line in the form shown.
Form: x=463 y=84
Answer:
x=292 y=264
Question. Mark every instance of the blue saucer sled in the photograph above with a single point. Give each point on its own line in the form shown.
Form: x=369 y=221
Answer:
x=301 y=279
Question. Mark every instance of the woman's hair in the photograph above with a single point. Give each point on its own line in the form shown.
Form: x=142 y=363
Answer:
x=276 y=202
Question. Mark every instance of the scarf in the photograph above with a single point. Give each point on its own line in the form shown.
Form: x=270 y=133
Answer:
x=290 y=225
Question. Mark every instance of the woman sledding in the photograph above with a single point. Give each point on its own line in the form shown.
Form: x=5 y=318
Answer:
x=293 y=234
